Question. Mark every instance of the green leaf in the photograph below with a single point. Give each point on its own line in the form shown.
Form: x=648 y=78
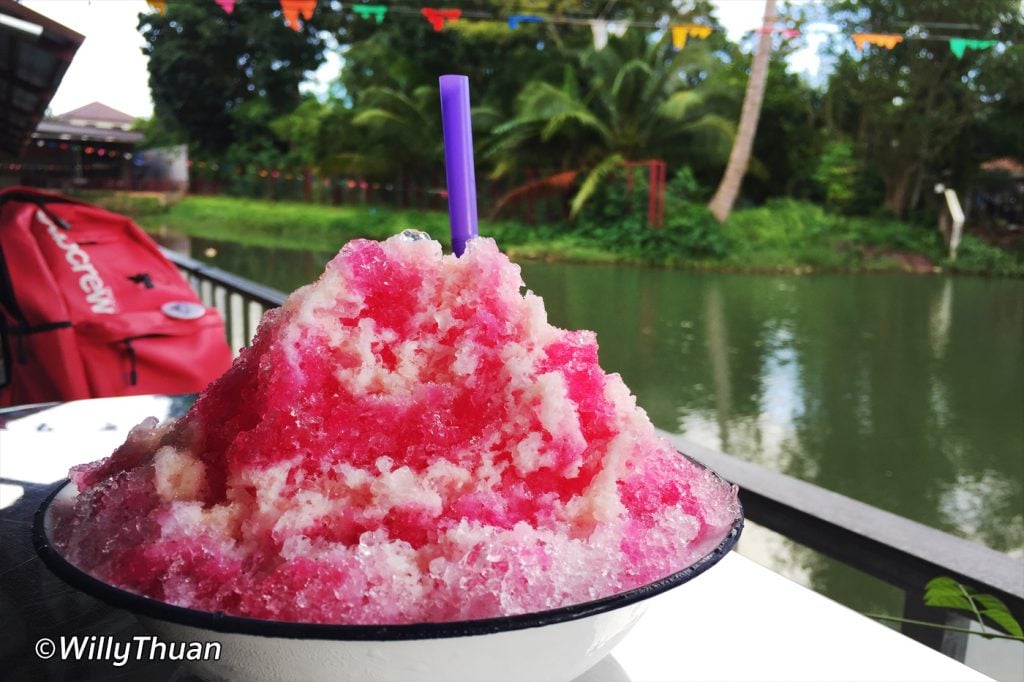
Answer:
x=594 y=177
x=948 y=593
x=679 y=104
x=372 y=116
x=996 y=611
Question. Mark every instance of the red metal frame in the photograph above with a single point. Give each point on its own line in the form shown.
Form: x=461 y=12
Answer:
x=655 y=188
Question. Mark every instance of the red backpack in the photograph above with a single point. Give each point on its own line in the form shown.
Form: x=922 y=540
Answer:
x=89 y=307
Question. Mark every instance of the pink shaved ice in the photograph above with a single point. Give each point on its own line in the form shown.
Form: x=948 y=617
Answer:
x=407 y=440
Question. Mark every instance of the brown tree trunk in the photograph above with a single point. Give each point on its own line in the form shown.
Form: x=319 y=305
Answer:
x=898 y=186
x=722 y=203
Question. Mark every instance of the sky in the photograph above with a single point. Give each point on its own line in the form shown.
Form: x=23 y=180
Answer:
x=110 y=67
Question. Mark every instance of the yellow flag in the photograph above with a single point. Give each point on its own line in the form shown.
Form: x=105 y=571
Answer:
x=680 y=32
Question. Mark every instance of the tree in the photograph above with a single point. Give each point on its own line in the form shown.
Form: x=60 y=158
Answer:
x=912 y=109
x=221 y=78
x=739 y=158
x=157 y=131
x=397 y=132
x=627 y=101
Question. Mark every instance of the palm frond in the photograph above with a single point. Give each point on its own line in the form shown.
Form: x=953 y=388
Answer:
x=591 y=182
x=369 y=117
x=636 y=71
x=580 y=116
x=717 y=125
x=679 y=104
x=381 y=97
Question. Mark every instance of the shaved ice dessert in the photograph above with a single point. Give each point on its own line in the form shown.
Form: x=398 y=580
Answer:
x=407 y=440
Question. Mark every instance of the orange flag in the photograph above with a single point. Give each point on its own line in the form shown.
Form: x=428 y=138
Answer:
x=159 y=5
x=293 y=9
x=886 y=40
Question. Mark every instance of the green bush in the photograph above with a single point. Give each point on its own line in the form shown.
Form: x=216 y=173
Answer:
x=889 y=234
x=780 y=225
x=615 y=218
x=976 y=256
x=135 y=205
x=783 y=234
x=836 y=175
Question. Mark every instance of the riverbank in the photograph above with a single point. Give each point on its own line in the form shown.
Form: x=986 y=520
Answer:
x=787 y=236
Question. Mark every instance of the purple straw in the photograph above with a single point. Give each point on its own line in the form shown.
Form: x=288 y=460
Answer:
x=458 y=159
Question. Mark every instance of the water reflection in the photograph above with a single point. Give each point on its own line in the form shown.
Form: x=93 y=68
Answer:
x=902 y=392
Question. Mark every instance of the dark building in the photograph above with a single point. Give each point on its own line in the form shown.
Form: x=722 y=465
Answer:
x=92 y=146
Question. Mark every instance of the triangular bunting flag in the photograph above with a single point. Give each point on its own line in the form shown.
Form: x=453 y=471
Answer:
x=367 y=11
x=785 y=32
x=227 y=5
x=516 y=19
x=680 y=32
x=159 y=5
x=439 y=17
x=601 y=28
x=960 y=45
x=293 y=9
x=886 y=40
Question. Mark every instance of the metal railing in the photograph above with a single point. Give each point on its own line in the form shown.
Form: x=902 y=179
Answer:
x=240 y=301
x=901 y=552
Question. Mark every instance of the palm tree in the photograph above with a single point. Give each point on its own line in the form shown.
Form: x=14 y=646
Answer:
x=725 y=196
x=625 y=102
x=392 y=131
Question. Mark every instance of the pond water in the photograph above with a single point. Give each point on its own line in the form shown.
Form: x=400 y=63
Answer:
x=904 y=392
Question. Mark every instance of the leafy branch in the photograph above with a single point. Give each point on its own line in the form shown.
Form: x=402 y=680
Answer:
x=944 y=592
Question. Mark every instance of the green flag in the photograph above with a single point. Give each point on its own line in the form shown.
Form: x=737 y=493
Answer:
x=960 y=45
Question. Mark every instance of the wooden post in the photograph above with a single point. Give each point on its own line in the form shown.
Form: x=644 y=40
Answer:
x=530 y=199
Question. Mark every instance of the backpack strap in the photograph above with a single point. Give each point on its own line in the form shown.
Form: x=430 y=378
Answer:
x=40 y=199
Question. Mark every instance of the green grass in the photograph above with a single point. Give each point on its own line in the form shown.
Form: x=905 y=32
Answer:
x=783 y=235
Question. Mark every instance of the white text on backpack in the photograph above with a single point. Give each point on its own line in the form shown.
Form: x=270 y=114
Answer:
x=97 y=293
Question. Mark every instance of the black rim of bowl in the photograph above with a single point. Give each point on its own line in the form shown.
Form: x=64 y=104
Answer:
x=223 y=622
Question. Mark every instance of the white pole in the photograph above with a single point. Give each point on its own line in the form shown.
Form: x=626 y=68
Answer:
x=956 y=212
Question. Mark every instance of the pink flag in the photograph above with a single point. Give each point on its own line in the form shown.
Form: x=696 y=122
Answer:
x=226 y=5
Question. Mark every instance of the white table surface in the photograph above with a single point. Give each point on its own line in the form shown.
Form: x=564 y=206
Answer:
x=776 y=629
x=780 y=631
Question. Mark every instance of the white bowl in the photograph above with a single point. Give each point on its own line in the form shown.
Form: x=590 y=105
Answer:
x=559 y=644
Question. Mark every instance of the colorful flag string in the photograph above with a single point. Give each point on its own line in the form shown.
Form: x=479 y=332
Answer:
x=516 y=19
x=784 y=32
x=293 y=9
x=367 y=11
x=680 y=32
x=960 y=45
x=886 y=40
x=601 y=28
x=439 y=17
